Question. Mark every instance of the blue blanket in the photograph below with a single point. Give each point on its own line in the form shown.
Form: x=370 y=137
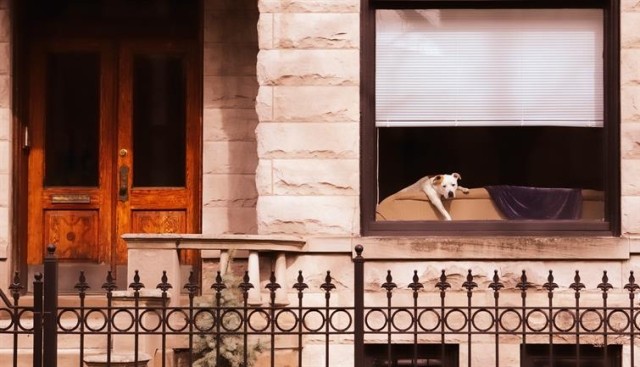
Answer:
x=521 y=202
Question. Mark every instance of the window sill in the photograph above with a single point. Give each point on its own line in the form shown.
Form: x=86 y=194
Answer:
x=498 y=248
x=498 y=227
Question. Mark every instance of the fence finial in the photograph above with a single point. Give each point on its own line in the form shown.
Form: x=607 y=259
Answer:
x=443 y=284
x=577 y=286
x=496 y=285
x=415 y=285
x=550 y=285
x=192 y=284
x=389 y=285
x=359 y=248
x=82 y=284
x=300 y=285
x=51 y=249
x=164 y=285
x=136 y=285
x=605 y=286
x=218 y=286
x=469 y=284
x=524 y=284
x=631 y=286
x=110 y=284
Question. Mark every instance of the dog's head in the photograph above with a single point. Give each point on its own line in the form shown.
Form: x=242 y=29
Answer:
x=446 y=185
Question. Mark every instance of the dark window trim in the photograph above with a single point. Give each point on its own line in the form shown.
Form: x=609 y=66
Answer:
x=611 y=150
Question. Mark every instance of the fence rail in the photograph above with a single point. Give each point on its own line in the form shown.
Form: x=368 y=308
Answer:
x=423 y=327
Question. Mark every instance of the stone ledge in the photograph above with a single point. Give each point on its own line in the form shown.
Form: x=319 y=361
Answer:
x=215 y=242
x=118 y=360
x=497 y=248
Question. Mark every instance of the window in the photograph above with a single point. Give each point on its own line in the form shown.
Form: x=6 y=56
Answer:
x=519 y=98
x=538 y=355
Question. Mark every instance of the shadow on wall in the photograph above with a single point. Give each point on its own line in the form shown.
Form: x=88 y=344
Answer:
x=230 y=90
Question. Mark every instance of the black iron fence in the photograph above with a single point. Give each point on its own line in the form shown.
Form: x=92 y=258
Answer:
x=397 y=325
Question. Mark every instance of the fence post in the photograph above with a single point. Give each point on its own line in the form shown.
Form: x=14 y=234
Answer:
x=50 y=339
x=358 y=304
x=37 y=320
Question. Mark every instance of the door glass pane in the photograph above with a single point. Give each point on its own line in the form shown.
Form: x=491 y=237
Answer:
x=72 y=119
x=159 y=109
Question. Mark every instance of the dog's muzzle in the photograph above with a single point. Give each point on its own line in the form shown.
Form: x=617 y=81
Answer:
x=451 y=195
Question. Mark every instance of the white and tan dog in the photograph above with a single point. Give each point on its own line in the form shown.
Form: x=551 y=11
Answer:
x=438 y=187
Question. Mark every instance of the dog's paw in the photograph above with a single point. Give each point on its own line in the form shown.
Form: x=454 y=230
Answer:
x=464 y=190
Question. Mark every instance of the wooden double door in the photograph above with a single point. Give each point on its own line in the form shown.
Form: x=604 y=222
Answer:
x=114 y=145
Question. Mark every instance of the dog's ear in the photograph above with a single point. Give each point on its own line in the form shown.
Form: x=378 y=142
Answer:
x=437 y=179
x=456 y=176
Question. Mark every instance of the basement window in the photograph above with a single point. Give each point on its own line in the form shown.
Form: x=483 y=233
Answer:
x=564 y=355
x=520 y=99
x=377 y=355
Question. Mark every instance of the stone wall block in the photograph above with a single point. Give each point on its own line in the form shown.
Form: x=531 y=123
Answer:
x=264 y=177
x=630 y=208
x=5 y=125
x=5 y=58
x=316 y=30
x=626 y=5
x=630 y=103
x=5 y=91
x=630 y=66
x=222 y=124
x=316 y=177
x=5 y=25
x=228 y=220
x=264 y=104
x=308 y=67
x=265 y=31
x=630 y=29
x=229 y=157
x=307 y=215
x=308 y=140
x=5 y=158
x=4 y=189
x=4 y=224
x=328 y=103
x=306 y=6
x=230 y=59
x=230 y=92
x=630 y=177
x=630 y=140
x=229 y=190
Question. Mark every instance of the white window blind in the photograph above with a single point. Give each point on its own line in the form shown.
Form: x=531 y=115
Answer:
x=489 y=67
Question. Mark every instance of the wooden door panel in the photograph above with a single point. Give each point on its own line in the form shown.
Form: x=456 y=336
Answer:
x=75 y=232
x=158 y=221
x=70 y=173
x=159 y=137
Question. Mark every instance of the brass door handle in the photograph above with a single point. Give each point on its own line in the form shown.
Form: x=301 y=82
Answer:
x=123 y=191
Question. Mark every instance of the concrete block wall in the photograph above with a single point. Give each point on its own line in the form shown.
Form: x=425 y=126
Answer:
x=630 y=115
x=308 y=109
x=229 y=116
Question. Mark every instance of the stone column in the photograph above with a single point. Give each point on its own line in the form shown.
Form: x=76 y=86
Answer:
x=308 y=110
x=253 y=265
x=281 y=278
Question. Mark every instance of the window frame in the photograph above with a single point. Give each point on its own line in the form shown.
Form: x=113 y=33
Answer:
x=611 y=133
